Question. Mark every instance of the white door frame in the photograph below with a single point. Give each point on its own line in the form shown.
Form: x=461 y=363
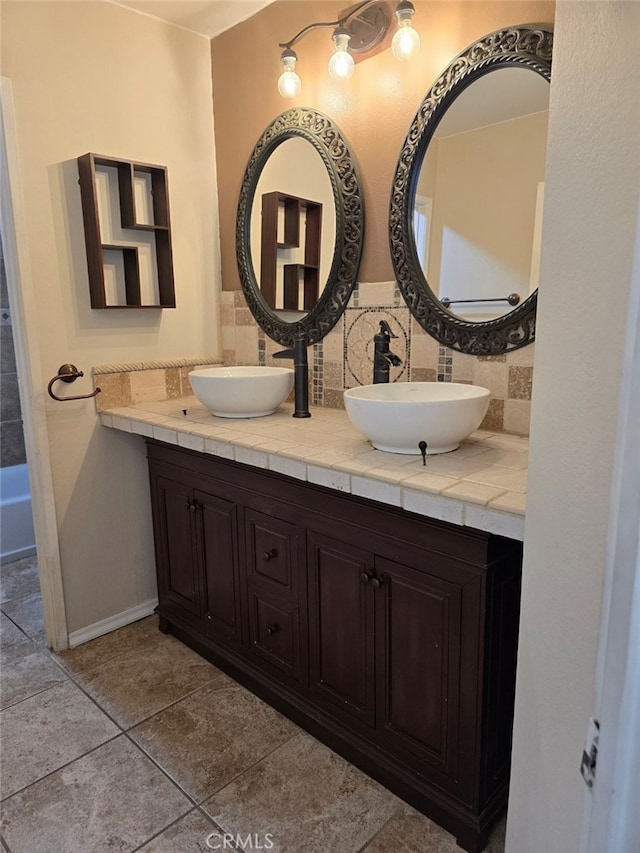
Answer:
x=612 y=818
x=31 y=383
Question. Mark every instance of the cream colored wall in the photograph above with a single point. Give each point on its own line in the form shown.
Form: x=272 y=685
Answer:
x=96 y=77
x=590 y=224
x=484 y=209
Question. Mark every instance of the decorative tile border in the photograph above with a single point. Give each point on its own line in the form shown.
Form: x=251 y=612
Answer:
x=144 y=382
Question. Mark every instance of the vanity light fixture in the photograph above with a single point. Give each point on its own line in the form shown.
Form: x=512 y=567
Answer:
x=289 y=84
x=359 y=31
x=341 y=64
x=406 y=40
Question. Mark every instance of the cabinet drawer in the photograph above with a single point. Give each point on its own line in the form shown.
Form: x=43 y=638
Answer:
x=275 y=633
x=272 y=553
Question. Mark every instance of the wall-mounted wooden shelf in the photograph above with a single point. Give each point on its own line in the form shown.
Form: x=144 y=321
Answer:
x=142 y=208
x=293 y=208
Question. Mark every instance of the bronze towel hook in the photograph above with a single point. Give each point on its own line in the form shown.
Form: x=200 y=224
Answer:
x=69 y=373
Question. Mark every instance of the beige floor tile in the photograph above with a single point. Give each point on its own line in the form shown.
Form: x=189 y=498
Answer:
x=102 y=649
x=19 y=578
x=113 y=799
x=9 y=632
x=242 y=727
x=27 y=613
x=46 y=731
x=188 y=835
x=141 y=682
x=307 y=798
x=412 y=832
x=27 y=669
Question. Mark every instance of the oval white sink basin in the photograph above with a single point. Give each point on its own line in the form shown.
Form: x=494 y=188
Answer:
x=242 y=392
x=398 y=416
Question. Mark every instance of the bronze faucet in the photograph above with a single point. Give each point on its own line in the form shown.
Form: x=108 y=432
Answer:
x=383 y=358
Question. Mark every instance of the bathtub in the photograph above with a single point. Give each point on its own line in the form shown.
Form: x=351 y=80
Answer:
x=16 y=522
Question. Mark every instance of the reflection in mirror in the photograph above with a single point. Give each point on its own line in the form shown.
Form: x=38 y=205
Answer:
x=299 y=227
x=478 y=202
x=293 y=228
x=465 y=214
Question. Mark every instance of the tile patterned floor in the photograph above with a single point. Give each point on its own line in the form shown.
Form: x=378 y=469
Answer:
x=133 y=742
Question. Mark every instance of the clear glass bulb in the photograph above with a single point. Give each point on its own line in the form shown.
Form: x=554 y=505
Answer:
x=289 y=84
x=406 y=40
x=341 y=64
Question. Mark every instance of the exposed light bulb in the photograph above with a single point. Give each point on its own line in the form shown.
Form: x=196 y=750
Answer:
x=406 y=41
x=289 y=83
x=341 y=64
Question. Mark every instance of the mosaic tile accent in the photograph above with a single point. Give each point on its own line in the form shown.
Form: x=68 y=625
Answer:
x=344 y=358
x=445 y=365
x=358 y=349
x=316 y=396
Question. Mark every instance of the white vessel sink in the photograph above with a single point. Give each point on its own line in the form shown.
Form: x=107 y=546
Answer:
x=398 y=416
x=242 y=392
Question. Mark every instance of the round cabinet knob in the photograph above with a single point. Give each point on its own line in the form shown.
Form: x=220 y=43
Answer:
x=271 y=630
x=376 y=583
x=365 y=578
x=269 y=555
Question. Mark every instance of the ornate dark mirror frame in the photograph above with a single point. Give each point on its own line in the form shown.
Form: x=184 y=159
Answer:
x=527 y=46
x=341 y=167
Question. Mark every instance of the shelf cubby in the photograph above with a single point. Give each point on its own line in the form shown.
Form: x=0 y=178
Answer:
x=143 y=209
x=292 y=209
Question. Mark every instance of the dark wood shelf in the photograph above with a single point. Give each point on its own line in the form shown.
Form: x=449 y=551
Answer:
x=270 y=245
x=130 y=219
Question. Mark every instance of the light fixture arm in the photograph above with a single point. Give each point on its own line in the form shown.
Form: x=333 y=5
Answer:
x=357 y=32
x=326 y=24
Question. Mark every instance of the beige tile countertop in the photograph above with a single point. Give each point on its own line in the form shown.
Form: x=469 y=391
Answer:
x=482 y=484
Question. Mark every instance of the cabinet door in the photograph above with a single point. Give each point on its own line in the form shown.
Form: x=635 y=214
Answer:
x=179 y=580
x=218 y=536
x=418 y=669
x=341 y=628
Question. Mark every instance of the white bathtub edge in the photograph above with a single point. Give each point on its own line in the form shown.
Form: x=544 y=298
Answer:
x=19 y=554
x=106 y=626
x=17 y=537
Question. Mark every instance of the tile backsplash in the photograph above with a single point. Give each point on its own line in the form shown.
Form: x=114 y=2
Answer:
x=344 y=358
x=144 y=382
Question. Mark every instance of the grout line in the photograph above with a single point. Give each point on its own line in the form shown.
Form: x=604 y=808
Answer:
x=251 y=766
x=32 y=695
x=378 y=831
x=62 y=767
x=176 y=821
x=19 y=627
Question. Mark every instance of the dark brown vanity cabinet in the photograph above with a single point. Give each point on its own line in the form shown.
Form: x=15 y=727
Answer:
x=389 y=636
x=196 y=555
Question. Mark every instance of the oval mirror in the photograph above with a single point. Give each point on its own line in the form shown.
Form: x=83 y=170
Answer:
x=299 y=227
x=465 y=219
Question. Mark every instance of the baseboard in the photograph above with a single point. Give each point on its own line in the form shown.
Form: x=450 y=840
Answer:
x=106 y=626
